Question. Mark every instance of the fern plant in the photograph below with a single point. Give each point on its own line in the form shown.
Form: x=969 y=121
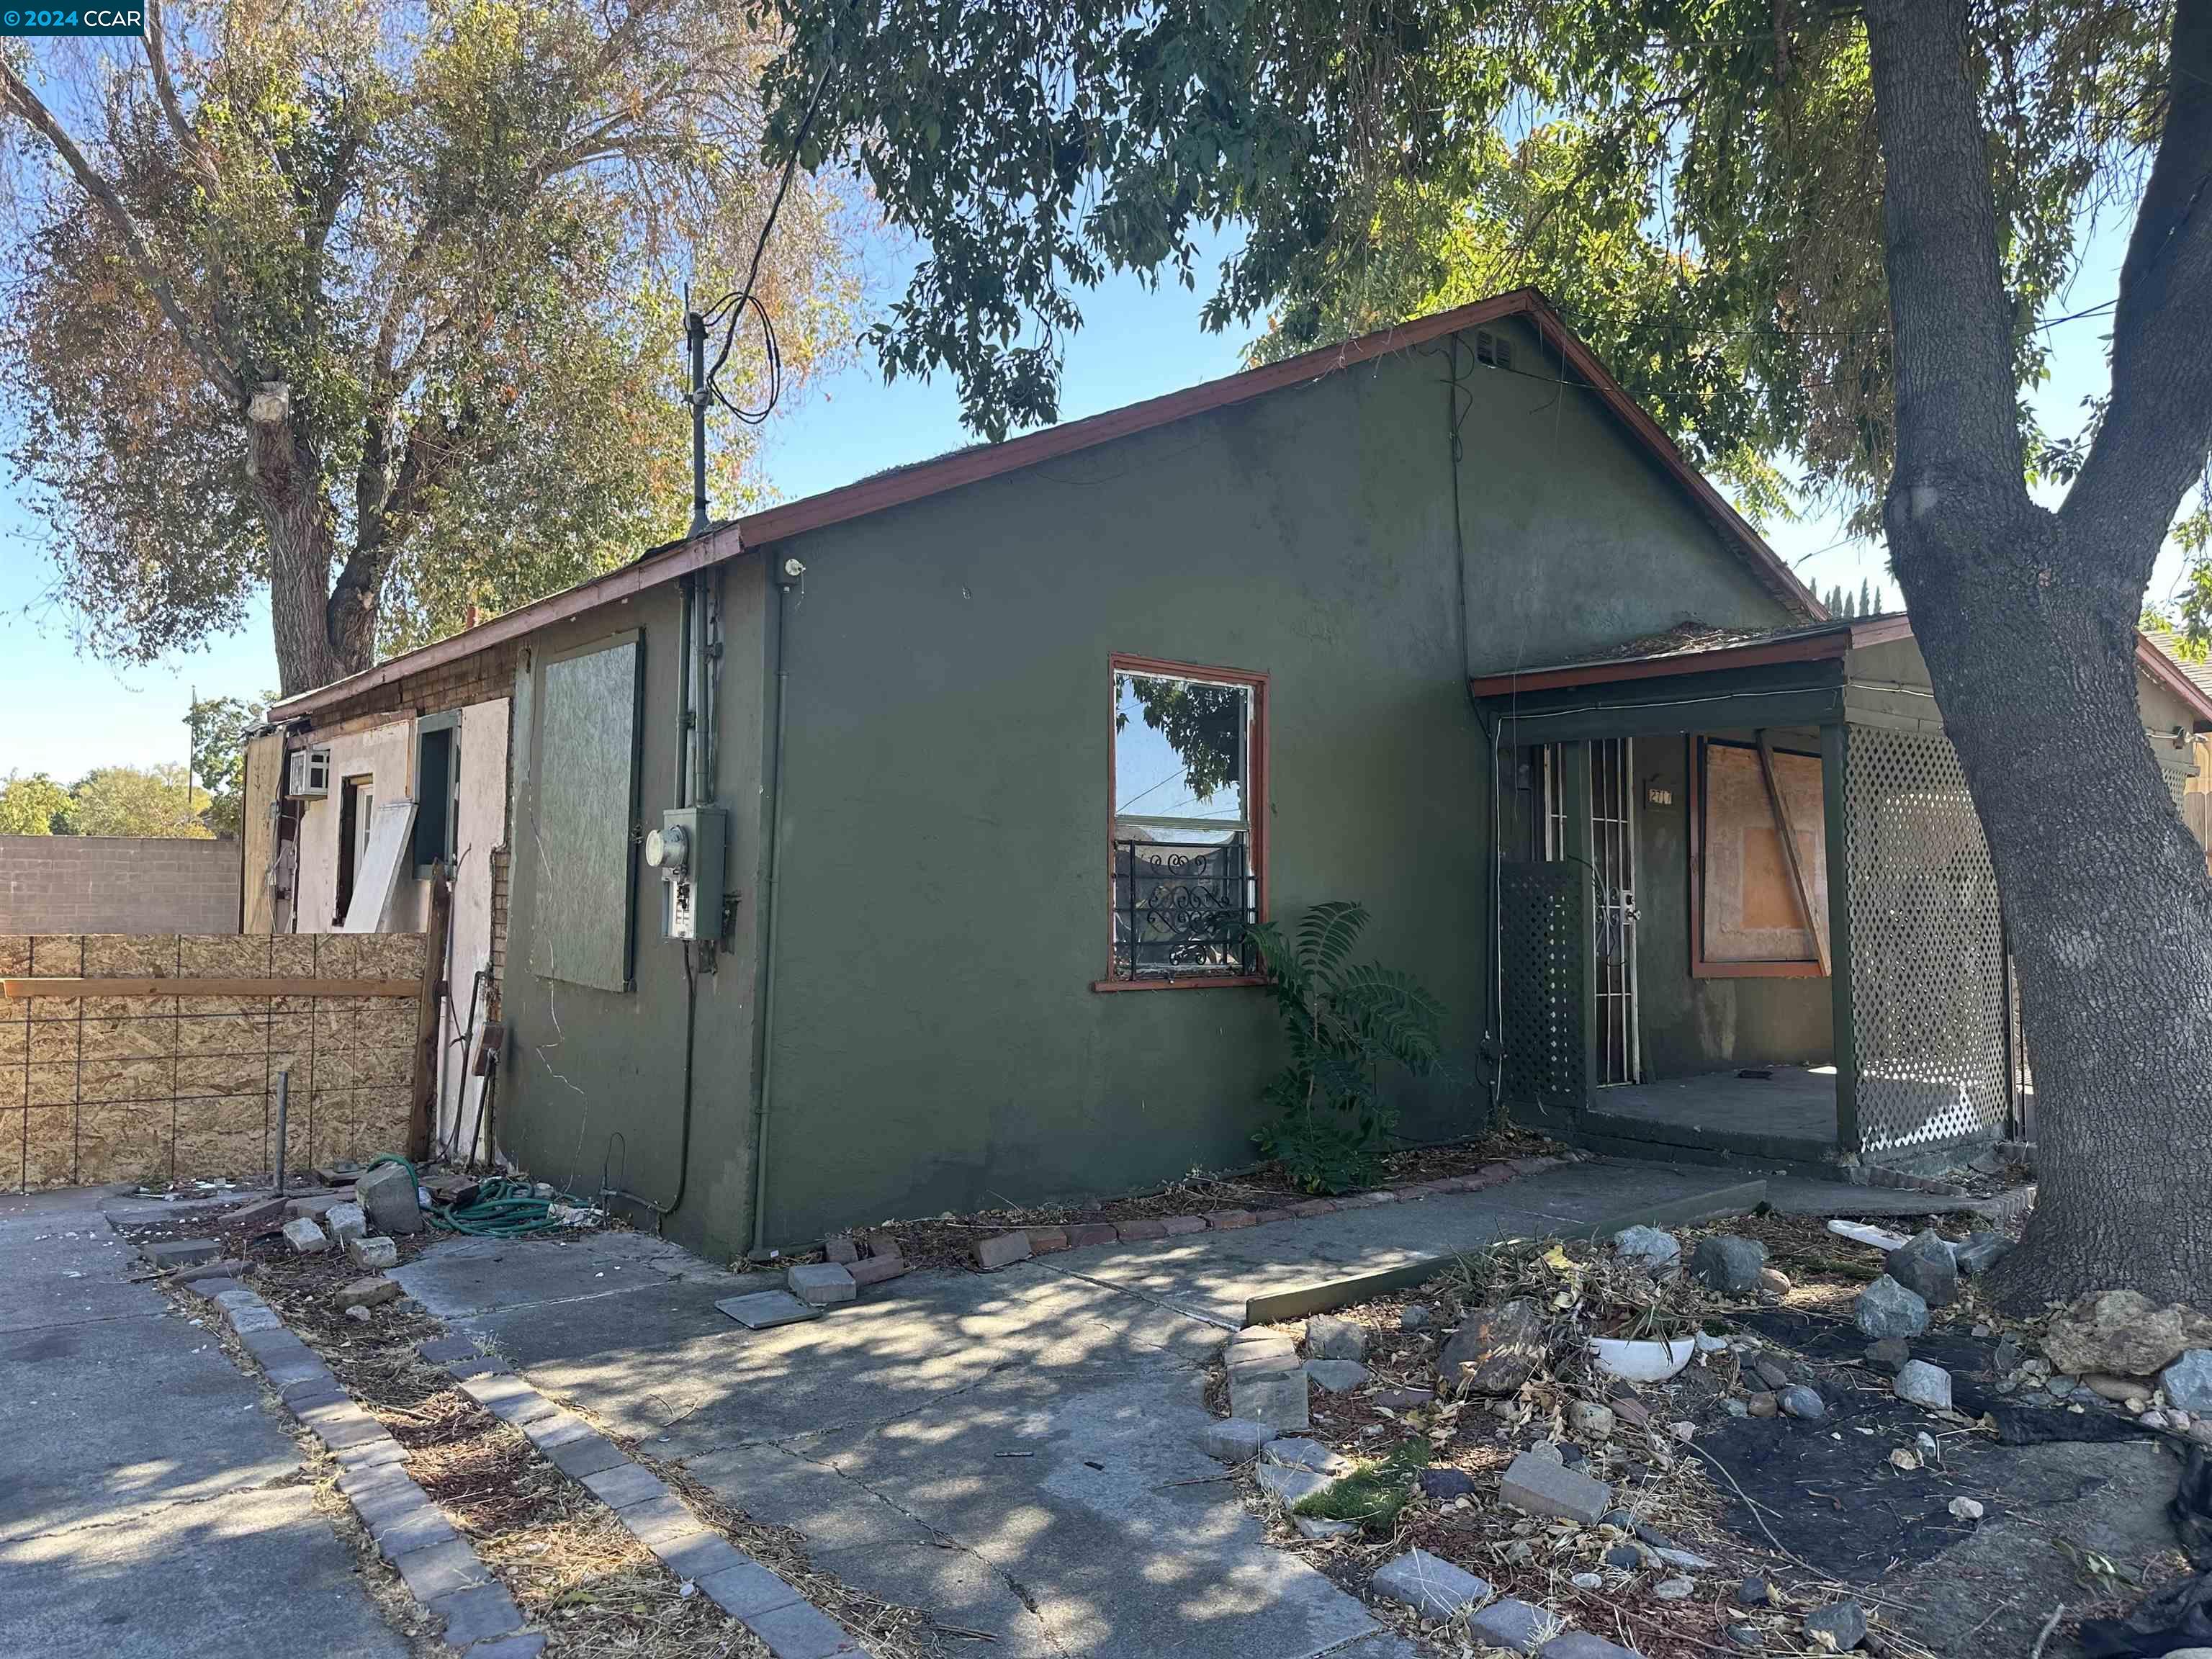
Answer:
x=1346 y=1022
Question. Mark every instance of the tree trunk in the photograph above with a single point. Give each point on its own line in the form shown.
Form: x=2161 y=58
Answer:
x=2107 y=904
x=2027 y=621
x=320 y=636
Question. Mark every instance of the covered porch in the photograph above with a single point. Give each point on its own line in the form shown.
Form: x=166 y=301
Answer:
x=1745 y=910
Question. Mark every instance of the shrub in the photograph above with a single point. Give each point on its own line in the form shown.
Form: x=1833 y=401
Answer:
x=1344 y=1023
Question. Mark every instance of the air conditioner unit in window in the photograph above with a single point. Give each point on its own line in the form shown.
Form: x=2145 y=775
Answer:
x=311 y=775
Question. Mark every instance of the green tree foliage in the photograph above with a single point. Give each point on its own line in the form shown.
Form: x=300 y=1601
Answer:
x=1345 y=1022
x=138 y=800
x=375 y=305
x=34 y=804
x=1203 y=724
x=219 y=725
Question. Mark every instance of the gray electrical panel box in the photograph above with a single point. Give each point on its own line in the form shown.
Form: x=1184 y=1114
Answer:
x=688 y=852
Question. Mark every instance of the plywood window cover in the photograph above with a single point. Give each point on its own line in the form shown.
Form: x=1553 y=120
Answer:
x=546 y=934
x=1255 y=810
x=1701 y=965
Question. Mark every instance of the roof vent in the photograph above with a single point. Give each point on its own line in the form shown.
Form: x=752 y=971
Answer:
x=1492 y=348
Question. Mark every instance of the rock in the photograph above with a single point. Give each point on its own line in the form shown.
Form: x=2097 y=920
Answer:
x=1540 y=1487
x=1336 y=1376
x=1981 y=1252
x=1842 y=1622
x=2188 y=1381
x=1736 y=1408
x=1429 y=1584
x=1444 y=1484
x=2118 y=1389
x=1278 y=1398
x=1002 y=1251
x=1727 y=1264
x=344 y=1221
x=1925 y=1267
x=1683 y=1430
x=1549 y=1452
x=366 y=1293
x=2152 y=1419
x=1494 y=1351
x=1965 y=1508
x=1887 y=1308
x=1771 y=1373
x=1625 y=1556
x=1235 y=1440
x=1747 y=1638
x=824 y=1284
x=1403 y=1399
x=1924 y=1385
x=2124 y=1334
x=305 y=1236
x=1674 y=1589
x=1652 y=1249
x=1754 y=1592
x=1772 y=1281
x=1415 y=1317
x=1589 y=1419
x=1510 y=1623
x=1798 y=1401
x=1313 y=1527
x=1762 y=1404
x=1889 y=1354
x=359 y=1315
x=372 y=1251
x=1291 y=1487
x=388 y=1194
x=1329 y=1338
x=1581 y=1645
x=1685 y=1560
x=1587 y=1580
x=1309 y=1455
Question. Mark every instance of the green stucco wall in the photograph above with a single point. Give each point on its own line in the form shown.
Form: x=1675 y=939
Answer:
x=942 y=885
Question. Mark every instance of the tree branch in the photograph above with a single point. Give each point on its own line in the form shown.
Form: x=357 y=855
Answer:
x=165 y=89
x=2150 y=447
x=1958 y=426
x=26 y=103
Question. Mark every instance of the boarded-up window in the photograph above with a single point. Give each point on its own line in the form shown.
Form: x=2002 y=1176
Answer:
x=582 y=865
x=1752 y=914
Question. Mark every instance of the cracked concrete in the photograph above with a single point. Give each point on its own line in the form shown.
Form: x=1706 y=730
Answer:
x=1015 y=1453
x=149 y=1504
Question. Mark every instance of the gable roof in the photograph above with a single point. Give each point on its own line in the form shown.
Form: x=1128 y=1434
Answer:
x=902 y=485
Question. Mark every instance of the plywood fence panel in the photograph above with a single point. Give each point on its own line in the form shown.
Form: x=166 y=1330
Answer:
x=170 y=1088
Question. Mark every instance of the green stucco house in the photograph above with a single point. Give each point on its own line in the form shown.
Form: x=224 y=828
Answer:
x=956 y=786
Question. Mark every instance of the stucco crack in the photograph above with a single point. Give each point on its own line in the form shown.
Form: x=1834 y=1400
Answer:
x=943 y=1539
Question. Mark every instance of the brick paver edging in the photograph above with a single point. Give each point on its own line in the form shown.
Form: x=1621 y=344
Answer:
x=439 y=1567
x=765 y=1604
x=1020 y=1243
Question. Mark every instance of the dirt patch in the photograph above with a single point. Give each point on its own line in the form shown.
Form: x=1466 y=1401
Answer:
x=949 y=1240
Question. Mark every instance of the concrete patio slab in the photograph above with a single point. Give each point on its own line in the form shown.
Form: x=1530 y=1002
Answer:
x=1019 y=1452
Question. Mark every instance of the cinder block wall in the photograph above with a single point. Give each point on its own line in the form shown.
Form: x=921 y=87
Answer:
x=118 y=885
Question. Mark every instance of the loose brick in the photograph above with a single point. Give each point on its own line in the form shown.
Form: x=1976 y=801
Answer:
x=875 y=1269
x=1002 y=1251
x=1177 y=1225
x=1140 y=1230
x=1044 y=1241
x=820 y=1284
x=1312 y=1206
x=1084 y=1235
x=1224 y=1221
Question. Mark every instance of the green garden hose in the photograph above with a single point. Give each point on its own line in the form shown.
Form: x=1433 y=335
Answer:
x=502 y=1208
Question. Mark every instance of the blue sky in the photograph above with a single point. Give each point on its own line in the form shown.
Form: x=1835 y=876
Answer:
x=72 y=711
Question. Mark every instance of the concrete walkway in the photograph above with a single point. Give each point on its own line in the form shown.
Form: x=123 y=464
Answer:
x=1014 y=1453
x=150 y=1507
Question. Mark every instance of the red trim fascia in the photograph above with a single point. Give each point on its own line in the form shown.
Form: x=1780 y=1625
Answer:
x=625 y=583
x=2167 y=672
x=990 y=460
x=1812 y=648
x=1122 y=662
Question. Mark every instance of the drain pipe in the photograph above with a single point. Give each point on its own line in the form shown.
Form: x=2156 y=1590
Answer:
x=787 y=578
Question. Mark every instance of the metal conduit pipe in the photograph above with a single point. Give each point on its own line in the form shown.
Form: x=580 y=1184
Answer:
x=787 y=578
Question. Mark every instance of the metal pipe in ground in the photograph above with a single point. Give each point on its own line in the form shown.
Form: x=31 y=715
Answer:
x=283 y=1102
